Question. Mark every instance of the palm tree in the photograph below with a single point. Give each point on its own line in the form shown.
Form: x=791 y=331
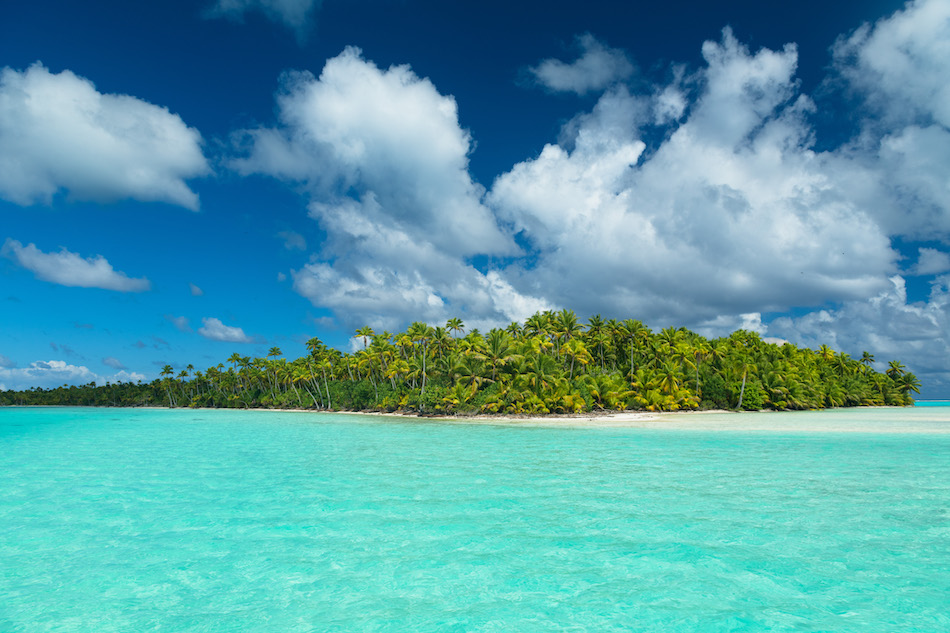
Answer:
x=596 y=335
x=636 y=332
x=669 y=337
x=166 y=374
x=366 y=332
x=895 y=369
x=745 y=363
x=421 y=333
x=497 y=351
x=541 y=372
x=315 y=346
x=701 y=351
x=908 y=382
x=455 y=326
x=325 y=365
x=669 y=377
x=566 y=326
x=606 y=391
x=182 y=375
x=441 y=340
x=274 y=353
x=537 y=324
x=578 y=353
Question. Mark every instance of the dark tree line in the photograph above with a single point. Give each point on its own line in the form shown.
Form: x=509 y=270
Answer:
x=552 y=363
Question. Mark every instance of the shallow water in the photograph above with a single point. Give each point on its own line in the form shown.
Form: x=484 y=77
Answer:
x=133 y=520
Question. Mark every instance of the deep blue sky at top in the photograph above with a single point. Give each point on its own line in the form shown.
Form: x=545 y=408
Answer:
x=220 y=75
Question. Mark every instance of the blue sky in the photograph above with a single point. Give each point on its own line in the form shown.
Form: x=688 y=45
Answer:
x=183 y=180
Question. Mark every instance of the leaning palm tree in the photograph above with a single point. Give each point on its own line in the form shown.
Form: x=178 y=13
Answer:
x=908 y=382
x=166 y=373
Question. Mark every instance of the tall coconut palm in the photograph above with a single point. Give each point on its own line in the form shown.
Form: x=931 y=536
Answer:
x=635 y=332
x=745 y=364
x=365 y=332
x=596 y=336
x=166 y=373
x=421 y=333
x=441 y=341
x=576 y=350
x=455 y=326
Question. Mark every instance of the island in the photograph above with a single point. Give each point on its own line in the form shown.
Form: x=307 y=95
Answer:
x=551 y=364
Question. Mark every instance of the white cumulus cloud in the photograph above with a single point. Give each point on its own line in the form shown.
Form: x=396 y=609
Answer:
x=57 y=132
x=902 y=62
x=930 y=261
x=70 y=269
x=897 y=167
x=215 y=330
x=596 y=68
x=359 y=132
x=385 y=160
x=734 y=213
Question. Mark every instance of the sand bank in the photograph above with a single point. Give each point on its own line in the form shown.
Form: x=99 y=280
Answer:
x=933 y=420
x=849 y=420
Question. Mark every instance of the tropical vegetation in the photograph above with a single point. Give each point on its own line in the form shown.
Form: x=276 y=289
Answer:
x=551 y=364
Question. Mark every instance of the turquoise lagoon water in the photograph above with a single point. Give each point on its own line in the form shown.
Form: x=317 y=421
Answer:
x=932 y=403
x=136 y=520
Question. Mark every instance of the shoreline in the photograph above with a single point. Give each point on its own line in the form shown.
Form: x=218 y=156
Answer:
x=837 y=420
x=602 y=419
x=799 y=421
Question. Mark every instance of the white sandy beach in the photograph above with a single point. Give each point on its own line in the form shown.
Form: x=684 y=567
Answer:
x=847 y=420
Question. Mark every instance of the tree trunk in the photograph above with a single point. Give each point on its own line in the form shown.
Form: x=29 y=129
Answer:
x=742 y=390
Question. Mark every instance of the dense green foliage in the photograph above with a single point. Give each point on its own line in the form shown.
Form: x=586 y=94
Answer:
x=550 y=364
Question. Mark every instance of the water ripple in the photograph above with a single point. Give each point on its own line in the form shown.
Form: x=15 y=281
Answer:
x=236 y=521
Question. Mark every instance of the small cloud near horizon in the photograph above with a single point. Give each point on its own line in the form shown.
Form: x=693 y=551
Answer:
x=113 y=362
x=215 y=330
